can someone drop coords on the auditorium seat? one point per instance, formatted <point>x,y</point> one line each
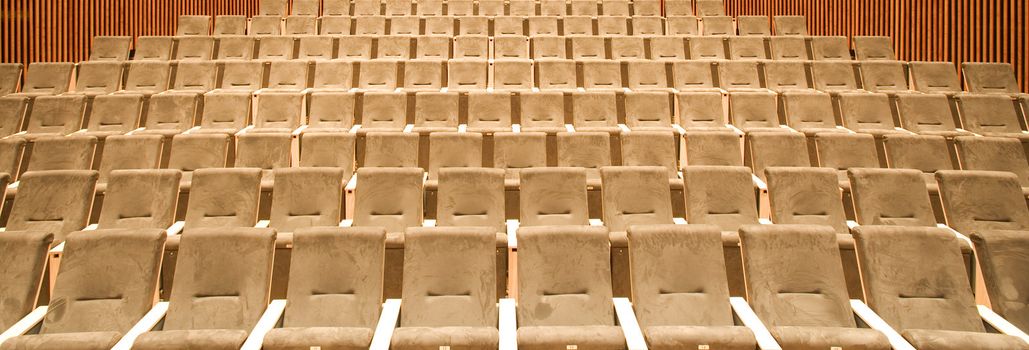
<point>512,75</point>
<point>710,7</point>
<point>645,74</point>
<point>692,75</point>
<point>318,289</point>
<point>993,154</point>
<point>195,77</point>
<point>632,195</point>
<point>515,152</point>
<point>265,151</point>
<point>403,25</point>
<point>810,112</point>
<point>209,205</point>
<point>230,25</point>
<point>884,76</point>
<point>279,112</point>
<point>97,78</point>
<point>113,115</point>
<point>990,78</point>
<point>390,198</point>
<point>928,114</point>
<point>396,47</point>
<point>931,305</point>
<point>54,116</point>
<point>354,47</point>
<point>717,25</point>
<point>707,47</point>
<point>301,25</point>
<point>473,25</point>
<point>976,200</point>
<point>701,111</point>
<point>438,26</point>
<point>648,111</point>
<point>194,48</point>
<point>22,268</point>
<point>868,113</point>
<point>782,149</point>
<point>755,111</point>
<point>215,308</point>
<point>805,196</point>
<point>511,47</point>
<point>147,78</point>
<point>332,150</point>
<point>330,111</point>
<point>610,25</point>
<point>241,76</point>
<point>551,196</point>
<point>722,196</point>
<point>632,49</point>
<point>873,48</point>
<point>790,25</point>
<point>991,116</point>
<point>516,25</point>
<point>286,76</point>
<point>753,26</point>
<point>275,47</point>
<point>842,151</point>
<point>57,201</point>
<point>335,7</point>
<point>460,8</point>
<point>10,78</point>
<point>672,8</point>
<point>669,258</point>
<point>12,115</point>
<point>153,48</point>
<point>795,283</point>
<point>595,111</point>
<point>590,150</point>
<point>489,112</point>
<point>128,152</point>
<point>788,48</point>
<point>225,113</point>
<point>272,7</point>
<point>834,76</point>
<point>652,148</point>
<point>62,153</point>
<point>667,48</point>
<point>474,197</point>
<point>747,48</point>
<point>565,299</point>
<point>235,47</point>
<point>378,75</point>
<point>140,199</point>
<point>45,79</point>
<point>190,152</point>
<point>390,149</point>
<point>265,25</point>
<point>106,284</point>
<point>429,8</point>
<point>736,76</point>
<point>471,47</point>
<point>935,77</point>
<point>452,150</point>
<point>919,152</point>
<point>556,74</point>
<point>891,197</point>
<point>537,25</point>
<point>682,25</point>
<point>383,111</point>
<point>335,24</point>
<point>305,7</point>
<point>615,8</point>
<point>169,114</point>
<point>547,8</point>
<point>543,112</point>
<point>434,47</point>
<point>332,76</point>
<point>109,48</point>
<point>601,75</point>
<point>1000,258</point>
<point>711,147</point>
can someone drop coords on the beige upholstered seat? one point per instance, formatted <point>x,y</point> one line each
<point>105,285</point>
<point>806,196</point>
<point>225,112</point>
<point>217,297</point>
<point>891,197</point>
<point>514,152</point>
<point>796,285</point>
<point>884,76</point>
<point>453,150</point>
<point>788,48</point>
<point>169,114</point>
<point>194,48</point>
<point>193,152</point>
<point>830,48</point>
<point>22,268</point>
<point>333,150</point>
<point>1001,258</point>
<point>390,198</point>
<point>712,148</point>
<point>976,201</point>
<point>595,111</point>
<point>993,154</point>
<point>230,25</point>
<point>265,151</point>
<point>62,153</point>
<point>331,111</point>
<point>648,110</point>
<point>109,48</point>
<point>278,112</point>
<point>873,48</point>
<point>543,111</point>
<point>632,195</point>
<point>436,112</point>
<point>680,294</point>
<point>223,198</point>
<point>306,197</point>
<point>565,299</point>
<point>56,201</point>
<point>918,152</point>
<point>390,149</point>
<point>45,79</point>
<point>128,152</point>
<point>935,77</point>
<point>235,47</point>
<point>54,116</point>
<point>553,196</point>
<point>868,113</point>
<point>834,76</point>
<point>98,78</point>
<point>753,25</point>
<point>489,112</point>
<point>783,149</point>
<point>590,150</point>
<point>753,111</point>
<point>928,114</point>
<point>383,111</point>
<point>931,305</point>
<point>140,199</point>
<point>844,151</point>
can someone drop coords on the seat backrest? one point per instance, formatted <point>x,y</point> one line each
<point>890,197</point>
<point>230,25</point>
<point>370,25</point>
<point>516,151</point>
<point>511,47</point>
<point>612,7</point>
<point>718,25</point>
<point>935,77</point>
<point>989,77</point>
<point>194,48</point>
<point>336,7</point>
<point>454,150</point>
<point>332,150</point>
<point>11,150</point>
<point>367,7</point>
<point>118,113</point>
<point>335,25</point>
<point>265,25</point>
<point>873,48</point>
<point>512,74</point>
<point>700,109</point>
<point>140,199</point>
<point>752,109</point>
<point>429,8</point>
<point>489,111</point>
<point>10,77</point>
<point>57,201</point>
<point>107,281</point>
<point>437,110</point>
<point>677,268</point>
<point>553,196</point>
<point>305,7</point>
<point>985,114</point>
<point>590,150</point>
<point>235,47</point>
<point>538,25</point>
<point>199,76</point>
<point>226,110</point>
<point>864,111</point>
<point>542,109</point>
<point>472,46</point>
<point>324,293</point>
<point>845,151</point>
<point>683,25</point>
<point>333,75</point>
<point>273,7</point>
<point>223,198</point>
<point>56,115</point>
<point>242,75</point>
<point>834,76</point>
<point>788,48</point>
<point>265,151</point>
<point>634,48</point>
<point>191,152</point>
<point>994,154</point>
<point>153,48</point>
<point>306,197</point>
<point>790,25</point>
<point>222,279</point>
<point>707,47</point>
<point>384,110</point>
<point>768,149</point>
<point>397,7</point>
<point>62,153</point>
<point>391,149</point>
<point>672,8</point>
<point>754,25</point>
<point>50,78</point>
<point>884,76</point>
<point>786,75</point>
<point>1000,257</point>
<point>564,276</point>
<point>435,46</point>
<point>650,148</point>
<point>287,75</point>
<point>354,47</point>
<point>670,48</point>
<point>301,25</point>
<point>110,48</point>
<point>635,195</point>
<point>692,74</point>
<point>976,200</point>
<point>905,291</point>
<point>925,112</point>
<point>130,152</point>
<point>147,76</point>
<point>719,195</point>
<point>747,48</point>
<point>806,196</point>
<point>471,197</point>
<point>171,112</point>
<point>918,152</point>
<point>556,73</point>
<point>443,289</point>
<point>100,77</point>
<point>21,269</point>
<point>648,109</point>
<point>602,75</point>
<point>388,197</point>
<point>830,48</point>
<point>712,148</point>
<point>739,75</point>
<point>396,46</point>
<point>794,276</point>
<point>467,74</point>
<point>809,110</point>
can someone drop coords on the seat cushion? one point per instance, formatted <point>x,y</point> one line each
<point>811,338</point>
<point>559,337</point>
<point>207,339</point>
<point>437,337</point>
<point>304,338</point>
<point>947,340</point>
<point>60,341</point>
<point>693,337</point>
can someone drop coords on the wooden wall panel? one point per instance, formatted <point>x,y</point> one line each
<point>922,30</point>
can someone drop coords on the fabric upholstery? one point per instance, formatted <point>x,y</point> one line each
<point>1002,256</point>
<point>148,77</point>
<point>226,197</point>
<point>62,153</point>
<point>809,112</point>
<point>953,340</point>
<point>993,154</point>
<point>650,148</point>
<point>226,112</point>
<point>391,149</point>
<point>213,339</point>
<point>436,111</point>
<point>927,114</point>
<point>453,149</point>
<point>553,196</point>
<point>595,111</point>
<point>648,110</point>
<point>335,150</point>
<point>62,341</point>
<point>331,110</point>
<point>590,150</point>
<point>712,148</point>
<point>471,197</point>
<point>982,200</point>
<point>635,195</point>
<point>265,151</point>
<point>561,337</point>
<point>890,197</point>
<point>49,78</point>
<point>701,110</point>
<point>129,152</point>
<point>197,76</point>
<point>514,152</point>
<point>140,199</point>
<point>918,152</point>
<point>776,149</point>
<point>169,114</point>
<point>814,338</point>
<point>114,115</point>
<point>844,151</point>
<point>694,337</point>
<point>720,196</point>
<point>390,198</point>
<point>56,201</point>
<point>489,112</point>
<point>542,111</point>
<point>867,113</point>
<point>806,196</point>
<point>21,270</point>
<point>191,152</point>
<point>55,116</point>
<point>754,111</point>
<point>341,338</point>
<point>306,197</point>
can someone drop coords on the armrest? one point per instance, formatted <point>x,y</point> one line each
<point>13,185</point>
<point>263,224</point>
<point>135,130</point>
<point>764,221</point>
<point>346,223</point>
<point>875,322</point>
<point>569,128</point>
<point>387,323</point>
<point>735,130</point>
<point>678,129</point>
<point>352,184</point>
<point>512,233</point>
<point>765,341</point>
<point>58,249</point>
<point>852,224</point>
<point>625,128</point>
<point>354,128</point>
<point>79,131</point>
<point>244,130</point>
<point>679,221</point>
<point>148,322</point>
<point>957,234</point>
<point>429,223</point>
<point>596,222</point>
<point>268,321</point>
<point>462,127</point>
<point>630,327</point>
<point>25,324</point>
<point>516,127</point>
<point>508,325</point>
<point>299,130</point>
<point>408,128</point>
<point>191,130</point>
<point>90,227</point>
<point>175,228</point>
<point>1002,325</point>
<point>759,183</point>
